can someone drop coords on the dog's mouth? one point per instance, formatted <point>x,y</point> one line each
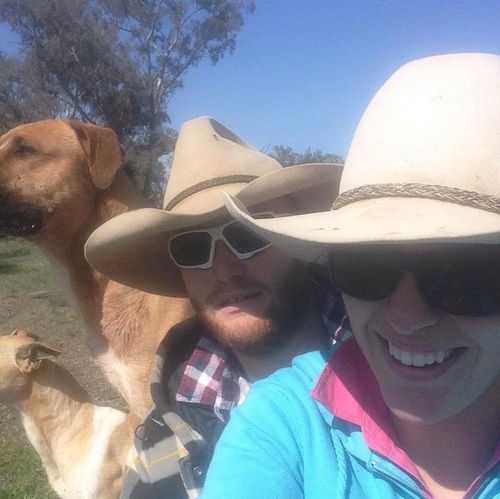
<point>22,221</point>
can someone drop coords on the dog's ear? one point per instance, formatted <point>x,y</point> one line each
<point>20,332</point>
<point>29,357</point>
<point>102,149</point>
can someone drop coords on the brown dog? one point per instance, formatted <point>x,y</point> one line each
<point>59,180</point>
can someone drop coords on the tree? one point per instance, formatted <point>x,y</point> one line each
<point>113,62</point>
<point>288,157</point>
<point>18,100</point>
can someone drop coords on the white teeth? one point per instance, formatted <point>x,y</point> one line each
<point>405,358</point>
<point>418,359</point>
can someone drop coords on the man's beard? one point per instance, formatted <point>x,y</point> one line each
<point>267,332</point>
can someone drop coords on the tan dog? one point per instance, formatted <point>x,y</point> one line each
<point>83,447</point>
<point>59,180</point>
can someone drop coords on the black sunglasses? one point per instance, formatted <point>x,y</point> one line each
<point>456,279</point>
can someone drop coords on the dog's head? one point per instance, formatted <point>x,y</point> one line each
<point>50,173</point>
<point>21,353</point>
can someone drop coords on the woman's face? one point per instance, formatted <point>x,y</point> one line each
<point>430,365</point>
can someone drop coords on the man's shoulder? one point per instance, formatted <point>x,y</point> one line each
<point>179,343</point>
<point>191,327</point>
<point>171,358</point>
<point>279,410</point>
<point>309,365</point>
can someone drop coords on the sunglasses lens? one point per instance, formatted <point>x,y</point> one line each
<point>242,239</point>
<point>468,284</point>
<point>191,249</point>
<point>456,280</point>
<point>363,274</point>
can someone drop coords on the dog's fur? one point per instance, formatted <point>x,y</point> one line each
<point>83,447</point>
<point>59,180</point>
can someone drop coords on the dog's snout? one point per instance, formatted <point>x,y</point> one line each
<point>17,218</point>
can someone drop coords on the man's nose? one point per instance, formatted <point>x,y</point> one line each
<point>226,265</point>
<point>407,311</point>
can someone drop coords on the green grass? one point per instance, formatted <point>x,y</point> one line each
<point>21,473</point>
<point>23,269</point>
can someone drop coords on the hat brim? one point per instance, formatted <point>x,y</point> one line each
<point>373,221</point>
<point>132,247</point>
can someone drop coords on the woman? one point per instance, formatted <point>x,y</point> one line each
<point>411,406</point>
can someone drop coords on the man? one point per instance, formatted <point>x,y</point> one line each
<point>409,407</point>
<point>253,301</point>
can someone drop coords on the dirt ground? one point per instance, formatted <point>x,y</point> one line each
<point>48,315</point>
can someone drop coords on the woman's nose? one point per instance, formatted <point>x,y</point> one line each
<point>407,311</point>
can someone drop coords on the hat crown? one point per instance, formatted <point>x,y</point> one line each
<point>435,121</point>
<point>209,157</point>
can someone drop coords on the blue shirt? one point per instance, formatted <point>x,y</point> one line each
<point>283,444</point>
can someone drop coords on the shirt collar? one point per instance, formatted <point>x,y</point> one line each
<point>348,388</point>
<point>213,377</point>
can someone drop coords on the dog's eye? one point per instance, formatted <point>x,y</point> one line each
<point>24,149</point>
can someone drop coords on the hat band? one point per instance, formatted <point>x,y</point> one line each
<point>213,182</point>
<point>462,197</point>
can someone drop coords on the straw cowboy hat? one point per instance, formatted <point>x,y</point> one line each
<point>132,248</point>
<point>423,166</point>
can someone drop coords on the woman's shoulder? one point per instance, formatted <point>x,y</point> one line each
<point>289,384</point>
<point>269,432</point>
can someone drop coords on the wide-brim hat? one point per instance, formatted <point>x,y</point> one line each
<point>423,166</point>
<point>132,248</point>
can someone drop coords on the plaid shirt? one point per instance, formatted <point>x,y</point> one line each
<point>214,377</point>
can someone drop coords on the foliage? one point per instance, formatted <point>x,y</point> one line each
<point>112,62</point>
<point>288,157</point>
<point>19,98</point>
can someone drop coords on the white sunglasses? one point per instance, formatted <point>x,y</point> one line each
<point>195,249</point>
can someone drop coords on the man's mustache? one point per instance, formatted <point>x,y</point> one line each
<point>234,287</point>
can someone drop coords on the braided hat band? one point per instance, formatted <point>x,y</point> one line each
<point>454,195</point>
<point>206,184</point>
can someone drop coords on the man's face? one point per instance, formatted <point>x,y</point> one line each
<point>249,305</point>
<point>460,354</point>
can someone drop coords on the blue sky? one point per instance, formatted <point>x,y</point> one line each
<point>304,70</point>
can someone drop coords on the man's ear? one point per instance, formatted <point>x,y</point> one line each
<point>29,357</point>
<point>102,150</point>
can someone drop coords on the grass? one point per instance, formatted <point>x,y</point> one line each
<point>23,270</point>
<point>21,473</point>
